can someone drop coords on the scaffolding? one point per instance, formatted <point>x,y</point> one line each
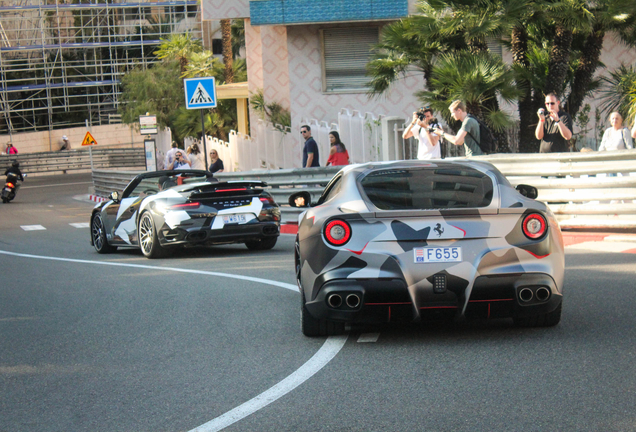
<point>61,61</point>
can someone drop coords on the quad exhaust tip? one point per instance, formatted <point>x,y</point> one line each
<point>525,295</point>
<point>334,300</point>
<point>353,301</point>
<point>543,294</point>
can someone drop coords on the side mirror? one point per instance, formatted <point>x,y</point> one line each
<point>115,196</point>
<point>527,191</point>
<point>300,199</point>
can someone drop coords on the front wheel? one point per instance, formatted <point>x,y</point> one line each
<point>262,244</point>
<point>148,239</point>
<point>99,236</point>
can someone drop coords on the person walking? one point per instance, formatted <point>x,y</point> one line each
<point>421,128</point>
<point>310,150</point>
<point>617,137</point>
<point>195,154</point>
<point>468,134</point>
<point>555,129</point>
<point>338,154</point>
<point>216,164</point>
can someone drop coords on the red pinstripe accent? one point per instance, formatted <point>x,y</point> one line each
<point>459,229</point>
<point>439,307</point>
<point>389,313</point>
<point>493,300</point>
<point>488,311</point>
<point>537,256</point>
<point>387,304</point>
<point>360,251</point>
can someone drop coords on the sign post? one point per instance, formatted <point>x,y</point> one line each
<point>151,154</point>
<point>200,93</point>
<point>147,124</point>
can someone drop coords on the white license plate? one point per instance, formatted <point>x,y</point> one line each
<point>437,254</point>
<point>7,189</point>
<point>237,218</point>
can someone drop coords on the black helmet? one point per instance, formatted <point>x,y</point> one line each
<point>15,164</point>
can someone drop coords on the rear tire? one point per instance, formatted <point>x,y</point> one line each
<point>148,239</point>
<point>262,244</point>
<point>549,319</point>
<point>99,236</point>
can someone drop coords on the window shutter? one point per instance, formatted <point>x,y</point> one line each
<point>346,54</point>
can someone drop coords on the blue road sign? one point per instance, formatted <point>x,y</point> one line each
<point>200,93</point>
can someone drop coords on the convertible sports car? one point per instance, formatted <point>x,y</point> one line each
<point>416,240</point>
<point>163,209</point>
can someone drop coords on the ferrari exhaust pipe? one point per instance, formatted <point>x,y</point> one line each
<point>334,300</point>
<point>525,295</point>
<point>543,294</point>
<point>353,301</point>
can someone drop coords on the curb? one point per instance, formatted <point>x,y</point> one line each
<point>96,198</point>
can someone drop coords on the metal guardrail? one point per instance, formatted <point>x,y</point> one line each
<point>604,202</point>
<point>77,159</point>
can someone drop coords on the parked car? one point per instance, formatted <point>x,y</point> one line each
<point>165,209</point>
<point>415,240</point>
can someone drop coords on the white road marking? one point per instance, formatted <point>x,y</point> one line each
<point>54,185</point>
<point>328,351</point>
<point>368,337</point>
<point>80,224</point>
<point>32,227</point>
<point>325,354</point>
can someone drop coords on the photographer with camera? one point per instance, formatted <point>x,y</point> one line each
<point>180,161</point>
<point>422,128</point>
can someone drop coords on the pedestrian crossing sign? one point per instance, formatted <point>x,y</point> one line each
<point>200,93</point>
<point>89,140</point>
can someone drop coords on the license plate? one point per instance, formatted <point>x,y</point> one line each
<point>7,189</point>
<point>237,218</point>
<point>437,254</point>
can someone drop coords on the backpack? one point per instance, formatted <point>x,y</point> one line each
<point>487,142</point>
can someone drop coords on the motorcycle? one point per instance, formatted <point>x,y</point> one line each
<point>11,187</point>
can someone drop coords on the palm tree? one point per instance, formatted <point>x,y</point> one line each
<point>179,47</point>
<point>476,79</point>
<point>238,36</point>
<point>618,92</point>
<point>226,35</point>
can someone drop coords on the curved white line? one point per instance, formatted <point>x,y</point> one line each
<point>328,351</point>
<point>54,185</point>
<point>174,269</point>
<point>325,354</point>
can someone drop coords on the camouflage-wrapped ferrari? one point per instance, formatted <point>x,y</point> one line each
<point>417,240</point>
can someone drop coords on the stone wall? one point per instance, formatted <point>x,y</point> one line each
<point>118,135</point>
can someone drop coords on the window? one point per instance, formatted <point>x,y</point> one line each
<point>217,46</point>
<point>331,190</point>
<point>346,52</point>
<point>428,188</point>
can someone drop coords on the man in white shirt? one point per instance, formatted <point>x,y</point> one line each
<point>169,159</point>
<point>428,147</point>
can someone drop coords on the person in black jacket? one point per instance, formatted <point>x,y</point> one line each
<point>14,169</point>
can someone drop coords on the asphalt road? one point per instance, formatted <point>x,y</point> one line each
<point>117,342</point>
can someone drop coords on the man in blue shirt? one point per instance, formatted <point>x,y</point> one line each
<point>310,150</point>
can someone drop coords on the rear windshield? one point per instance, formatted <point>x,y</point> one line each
<point>428,188</point>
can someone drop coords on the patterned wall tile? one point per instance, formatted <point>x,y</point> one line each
<point>221,9</point>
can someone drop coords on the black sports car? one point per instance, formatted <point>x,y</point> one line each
<point>163,209</point>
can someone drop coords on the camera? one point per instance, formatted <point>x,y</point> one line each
<point>420,114</point>
<point>431,129</point>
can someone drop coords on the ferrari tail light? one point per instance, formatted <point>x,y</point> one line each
<point>337,232</point>
<point>269,200</point>
<point>534,226</point>
<point>11,185</point>
<point>185,206</point>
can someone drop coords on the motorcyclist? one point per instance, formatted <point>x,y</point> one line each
<point>14,169</point>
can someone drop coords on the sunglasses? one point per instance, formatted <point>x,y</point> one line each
<point>550,103</point>
<point>303,132</point>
